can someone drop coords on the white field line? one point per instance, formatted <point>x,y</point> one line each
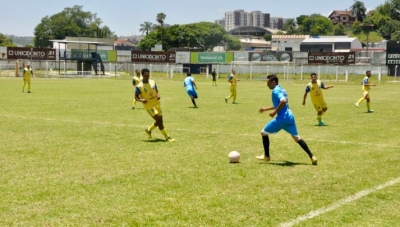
<point>339,203</point>
<point>280,136</point>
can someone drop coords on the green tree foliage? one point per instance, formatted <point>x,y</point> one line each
<point>290,26</point>
<point>202,35</point>
<point>161,18</point>
<point>233,43</point>
<point>358,10</point>
<point>319,25</point>
<point>70,22</point>
<point>146,27</point>
<point>356,28</point>
<point>396,36</point>
<point>268,37</point>
<point>5,41</point>
<point>339,29</point>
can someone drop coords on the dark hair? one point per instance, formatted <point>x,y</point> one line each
<point>313,74</point>
<point>368,71</point>
<point>273,77</point>
<point>145,70</point>
<point>188,74</point>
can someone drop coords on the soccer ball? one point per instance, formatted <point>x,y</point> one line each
<point>234,157</point>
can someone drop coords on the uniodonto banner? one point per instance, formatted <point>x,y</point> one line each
<point>31,53</point>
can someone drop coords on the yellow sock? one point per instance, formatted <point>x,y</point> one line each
<point>134,102</point>
<point>151,127</point>
<point>164,132</point>
<point>361,99</point>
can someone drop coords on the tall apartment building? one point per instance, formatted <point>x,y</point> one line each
<point>240,18</point>
<point>277,22</point>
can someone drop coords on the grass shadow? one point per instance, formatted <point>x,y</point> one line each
<point>154,140</point>
<point>286,163</point>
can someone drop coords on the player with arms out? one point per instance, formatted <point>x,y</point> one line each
<point>135,81</point>
<point>365,89</point>
<point>147,93</point>
<point>284,120</point>
<point>191,88</point>
<point>317,98</point>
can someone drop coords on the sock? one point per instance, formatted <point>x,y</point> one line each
<point>303,145</point>
<point>164,132</point>
<point>361,99</point>
<point>368,106</point>
<point>265,140</point>
<point>29,86</point>
<point>319,117</point>
<point>151,127</point>
<point>134,102</point>
<point>194,102</point>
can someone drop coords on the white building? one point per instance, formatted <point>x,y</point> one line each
<point>277,22</point>
<point>240,18</point>
<point>287,42</point>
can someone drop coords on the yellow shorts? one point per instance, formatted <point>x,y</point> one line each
<point>27,79</point>
<point>319,106</point>
<point>154,111</point>
<point>366,94</point>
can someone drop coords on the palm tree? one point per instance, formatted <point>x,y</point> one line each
<point>161,18</point>
<point>290,26</point>
<point>146,27</point>
<point>358,10</point>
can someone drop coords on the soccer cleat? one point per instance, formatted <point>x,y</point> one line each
<point>263,158</point>
<point>234,103</point>
<point>356,104</point>
<point>133,107</point>
<point>169,139</point>
<point>370,111</point>
<point>148,134</point>
<point>226,100</point>
<point>29,91</point>
<point>314,160</point>
<point>321,123</point>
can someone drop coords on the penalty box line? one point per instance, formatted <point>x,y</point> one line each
<point>340,203</point>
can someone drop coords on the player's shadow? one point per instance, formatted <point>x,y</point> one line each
<point>286,163</point>
<point>154,141</point>
<point>321,125</point>
<point>193,107</point>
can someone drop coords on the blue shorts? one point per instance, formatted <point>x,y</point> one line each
<point>192,93</point>
<point>288,124</point>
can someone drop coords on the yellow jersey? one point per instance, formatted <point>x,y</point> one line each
<point>232,79</point>
<point>365,81</point>
<point>149,92</point>
<point>315,91</point>
<point>27,73</point>
<point>136,80</point>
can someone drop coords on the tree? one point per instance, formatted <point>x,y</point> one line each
<point>356,27</point>
<point>161,18</point>
<point>358,10</point>
<point>268,37</point>
<point>396,36</point>
<point>146,27</point>
<point>339,29</point>
<point>290,26</point>
<point>70,22</point>
<point>5,41</point>
<point>233,43</point>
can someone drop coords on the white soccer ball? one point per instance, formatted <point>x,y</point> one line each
<point>234,157</point>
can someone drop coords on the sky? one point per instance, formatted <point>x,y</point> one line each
<point>123,17</point>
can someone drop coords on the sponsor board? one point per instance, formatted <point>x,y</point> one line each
<point>31,53</point>
<point>153,56</point>
<point>334,58</point>
<point>271,56</point>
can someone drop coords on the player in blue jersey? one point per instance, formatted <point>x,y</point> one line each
<point>284,120</point>
<point>366,86</point>
<point>191,88</point>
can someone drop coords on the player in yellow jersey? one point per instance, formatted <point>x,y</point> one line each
<point>233,84</point>
<point>27,74</point>
<point>135,81</point>
<point>317,98</point>
<point>147,93</point>
<point>365,89</point>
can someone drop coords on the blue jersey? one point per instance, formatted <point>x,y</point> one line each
<point>188,83</point>
<point>277,94</point>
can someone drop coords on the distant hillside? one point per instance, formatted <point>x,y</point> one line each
<point>21,40</point>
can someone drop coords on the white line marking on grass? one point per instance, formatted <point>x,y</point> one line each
<point>339,203</point>
<point>280,136</point>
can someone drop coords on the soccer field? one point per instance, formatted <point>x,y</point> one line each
<point>74,153</point>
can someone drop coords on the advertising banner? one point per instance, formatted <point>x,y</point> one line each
<point>332,58</point>
<point>211,57</point>
<point>31,53</point>
<point>182,57</point>
<point>393,53</point>
<point>271,56</point>
<point>153,56</point>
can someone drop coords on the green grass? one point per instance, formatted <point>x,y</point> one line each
<point>73,153</point>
